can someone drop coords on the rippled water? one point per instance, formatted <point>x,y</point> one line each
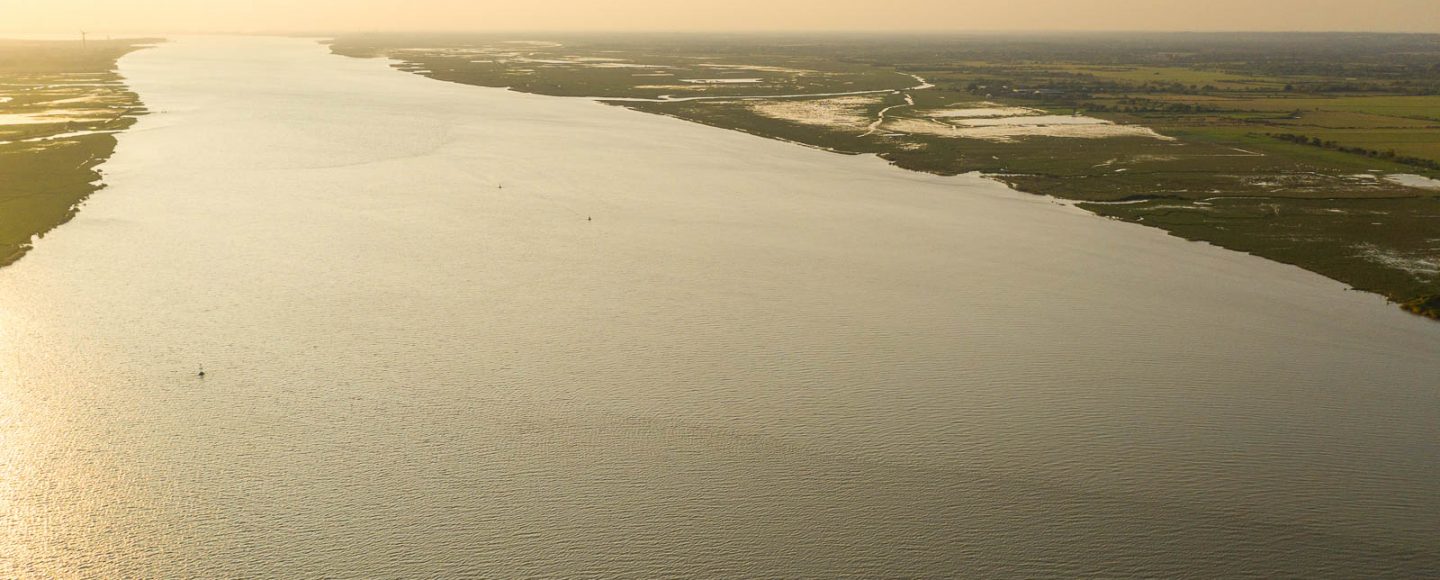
<point>758,360</point>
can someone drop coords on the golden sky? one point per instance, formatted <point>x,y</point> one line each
<point>119,16</point>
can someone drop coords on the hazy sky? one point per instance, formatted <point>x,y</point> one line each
<point>41,16</point>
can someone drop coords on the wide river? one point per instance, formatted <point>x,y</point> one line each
<point>454,331</point>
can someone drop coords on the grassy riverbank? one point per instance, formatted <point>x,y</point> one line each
<point>1281,145</point>
<point>60,105</point>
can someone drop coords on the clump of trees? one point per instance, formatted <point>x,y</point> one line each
<point>1428,306</point>
<point>1388,155</point>
<point>1143,105</point>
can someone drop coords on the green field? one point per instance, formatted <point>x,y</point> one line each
<point>1401,107</point>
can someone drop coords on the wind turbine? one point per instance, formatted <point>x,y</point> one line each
<point>83,42</point>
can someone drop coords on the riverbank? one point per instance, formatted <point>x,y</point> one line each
<point>61,104</point>
<point>1206,151</point>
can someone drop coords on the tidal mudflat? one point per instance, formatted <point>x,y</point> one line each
<point>457,331</point>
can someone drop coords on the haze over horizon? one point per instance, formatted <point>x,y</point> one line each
<point>323,16</point>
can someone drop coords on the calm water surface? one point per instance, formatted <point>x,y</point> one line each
<point>758,360</point>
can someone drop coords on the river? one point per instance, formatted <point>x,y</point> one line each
<point>454,331</point>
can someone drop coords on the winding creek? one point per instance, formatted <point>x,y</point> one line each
<point>461,332</point>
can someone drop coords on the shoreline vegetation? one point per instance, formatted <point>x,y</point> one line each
<point>1316,150</point>
<point>61,104</point>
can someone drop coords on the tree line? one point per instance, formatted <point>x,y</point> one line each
<point>1388,155</point>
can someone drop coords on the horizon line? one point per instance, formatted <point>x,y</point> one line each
<point>734,32</point>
